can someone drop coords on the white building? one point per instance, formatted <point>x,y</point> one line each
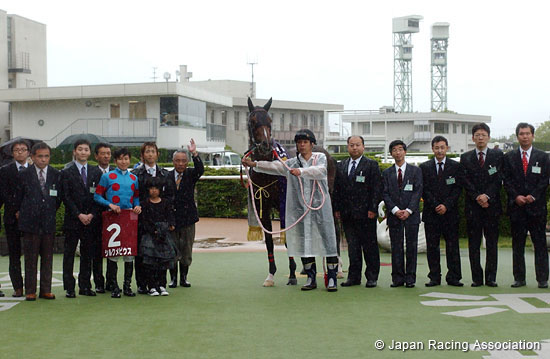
<point>23,60</point>
<point>416,129</point>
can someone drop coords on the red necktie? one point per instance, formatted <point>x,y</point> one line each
<point>525,162</point>
<point>399,178</point>
<point>481,159</point>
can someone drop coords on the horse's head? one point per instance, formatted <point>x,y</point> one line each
<point>259,129</point>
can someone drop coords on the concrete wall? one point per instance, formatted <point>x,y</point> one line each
<point>177,137</point>
<point>30,37</point>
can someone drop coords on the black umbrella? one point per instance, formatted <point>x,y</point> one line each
<point>5,148</point>
<point>68,143</point>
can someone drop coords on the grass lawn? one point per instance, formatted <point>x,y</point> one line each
<point>228,314</point>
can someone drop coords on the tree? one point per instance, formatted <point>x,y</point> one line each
<point>542,133</point>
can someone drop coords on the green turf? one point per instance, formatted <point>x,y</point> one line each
<point>228,314</point>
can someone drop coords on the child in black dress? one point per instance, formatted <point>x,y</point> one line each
<point>157,245</point>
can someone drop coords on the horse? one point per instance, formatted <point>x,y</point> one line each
<point>269,191</point>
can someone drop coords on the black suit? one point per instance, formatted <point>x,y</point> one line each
<point>530,217</point>
<point>395,196</point>
<point>354,197</point>
<point>79,199</point>
<point>482,221</point>
<point>186,214</point>
<point>37,208</point>
<point>8,185</point>
<point>442,189</point>
<point>142,175</point>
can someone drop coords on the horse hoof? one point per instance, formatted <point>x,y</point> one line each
<point>292,281</point>
<point>269,283</point>
<point>340,275</point>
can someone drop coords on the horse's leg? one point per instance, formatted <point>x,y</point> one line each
<point>266,222</point>
<point>292,268</point>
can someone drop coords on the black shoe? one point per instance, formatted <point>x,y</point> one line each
<point>173,283</point>
<point>1,294</point>
<point>141,290</point>
<point>371,284</point>
<point>309,286</point>
<point>184,282</point>
<point>70,294</point>
<point>87,292</point>
<point>100,290</point>
<point>395,285</point>
<point>518,283</point>
<point>128,292</point>
<point>477,284</point>
<point>455,283</point>
<point>543,284</point>
<point>409,285</point>
<point>491,283</point>
<point>432,283</point>
<point>350,283</point>
<point>115,293</point>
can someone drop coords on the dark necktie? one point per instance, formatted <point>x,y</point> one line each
<point>440,170</point>
<point>525,162</point>
<point>21,168</point>
<point>178,181</point>
<point>84,176</point>
<point>352,171</point>
<point>481,159</point>
<point>42,181</point>
<point>400,178</point>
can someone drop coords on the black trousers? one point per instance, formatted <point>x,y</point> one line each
<point>155,277</point>
<point>449,231</point>
<point>477,226</point>
<point>408,233</point>
<point>13,237</point>
<point>35,245</point>
<point>87,240</point>
<point>362,242</point>
<point>97,262</point>
<point>537,229</point>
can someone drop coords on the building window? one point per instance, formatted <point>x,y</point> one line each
<point>365,128</point>
<point>137,110</point>
<point>470,126</point>
<point>304,121</point>
<point>237,120</point>
<point>463,128</point>
<point>282,124</point>
<point>212,116</point>
<point>441,127</point>
<point>455,128</point>
<point>293,122</point>
<point>115,110</point>
<point>224,118</point>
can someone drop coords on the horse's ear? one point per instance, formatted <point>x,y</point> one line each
<point>250,105</point>
<point>267,106</point>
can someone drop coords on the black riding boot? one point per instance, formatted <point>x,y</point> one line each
<point>112,282</point>
<point>292,267</point>
<point>127,287</point>
<point>311,271</point>
<point>183,278</point>
<point>174,276</point>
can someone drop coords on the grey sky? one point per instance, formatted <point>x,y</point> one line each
<point>317,51</point>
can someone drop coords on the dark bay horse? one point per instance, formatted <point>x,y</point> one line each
<point>269,191</point>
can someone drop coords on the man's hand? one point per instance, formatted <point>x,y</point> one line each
<point>137,209</point>
<point>192,147</point>
<point>530,199</point>
<point>85,218</point>
<point>248,162</point>
<point>17,215</point>
<point>441,209</point>
<point>371,214</point>
<point>296,172</point>
<point>171,228</point>
<point>483,200</point>
<point>521,200</point>
<point>114,208</point>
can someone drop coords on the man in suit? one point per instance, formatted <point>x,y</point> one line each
<point>482,182</point>
<point>526,173</point>
<point>442,179</point>
<point>79,182</point>
<point>402,192</point>
<point>8,186</point>
<point>149,168</point>
<point>37,200</point>
<point>357,192</point>
<point>102,154</point>
<point>183,180</point>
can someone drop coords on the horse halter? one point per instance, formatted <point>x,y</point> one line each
<point>251,130</point>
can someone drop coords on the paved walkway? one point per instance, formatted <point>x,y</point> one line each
<point>227,235</point>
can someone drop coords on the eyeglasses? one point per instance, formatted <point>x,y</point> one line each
<point>480,135</point>
<point>20,150</point>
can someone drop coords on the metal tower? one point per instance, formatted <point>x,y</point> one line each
<point>403,27</point>
<point>440,41</point>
